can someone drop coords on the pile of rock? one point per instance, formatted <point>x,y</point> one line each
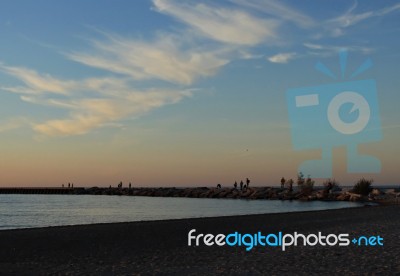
<point>388,197</point>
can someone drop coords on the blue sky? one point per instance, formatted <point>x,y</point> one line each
<point>170,92</point>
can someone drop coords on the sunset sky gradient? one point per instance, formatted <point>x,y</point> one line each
<point>180,93</point>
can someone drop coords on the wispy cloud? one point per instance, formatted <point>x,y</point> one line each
<point>227,25</point>
<point>248,55</point>
<point>91,103</point>
<point>91,113</point>
<point>337,25</point>
<point>277,9</point>
<point>165,58</point>
<point>282,57</point>
<point>326,50</point>
<point>177,57</point>
<point>211,37</point>
<point>184,56</point>
<point>319,50</point>
<point>36,83</point>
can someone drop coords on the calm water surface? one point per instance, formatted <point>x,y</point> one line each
<point>27,211</point>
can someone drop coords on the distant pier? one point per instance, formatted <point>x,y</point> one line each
<point>44,190</point>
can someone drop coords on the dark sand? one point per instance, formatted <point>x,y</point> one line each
<point>161,246</point>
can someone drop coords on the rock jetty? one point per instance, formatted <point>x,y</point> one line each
<point>249,193</point>
<point>391,196</point>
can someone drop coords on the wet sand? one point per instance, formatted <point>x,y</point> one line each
<point>160,247</point>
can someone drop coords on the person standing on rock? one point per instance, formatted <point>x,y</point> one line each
<point>283,180</point>
<point>241,185</point>
<point>235,185</point>
<point>247,182</point>
<point>290,182</point>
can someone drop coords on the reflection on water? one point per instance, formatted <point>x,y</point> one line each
<point>27,211</point>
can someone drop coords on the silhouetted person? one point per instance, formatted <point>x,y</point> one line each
<point>283,180</point>
<point>130,185</point>
<point>247,182</point>
<point>241,185</point>
<point>69,185</point>
<point>219,186</point>
<point>290,185</point>
<point>109,187</point>
<point>235,185</point>
<point>63,185</point>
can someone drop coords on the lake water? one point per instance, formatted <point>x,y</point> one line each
<point>27,211</point>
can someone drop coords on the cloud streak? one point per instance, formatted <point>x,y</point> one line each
<point>277,9</point>
<point>282,57</point>
<point>337,25</point>
<point>326,50</point>
<point>88,114</point>
<point>226,25</point>
<point>36,83</point>
<point>91,103</point>
<point>167,58</point>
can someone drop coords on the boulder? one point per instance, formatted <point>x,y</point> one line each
<point>375,192</point>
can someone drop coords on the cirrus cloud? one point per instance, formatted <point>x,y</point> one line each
<point>167,58</point>
<point>36,83</point>
<point>88,114</point>
<point>91,103</point>
<point>226,25</point>
<point>282,57</point>
<point>212,36</point>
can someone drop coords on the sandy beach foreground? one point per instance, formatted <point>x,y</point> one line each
<point>161,246</point>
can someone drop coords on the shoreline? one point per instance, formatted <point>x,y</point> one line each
<point>161,246</point>
<point>190,218</point>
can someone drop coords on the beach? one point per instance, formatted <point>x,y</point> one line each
<point>161,247</point>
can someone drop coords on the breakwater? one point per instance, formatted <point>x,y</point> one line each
<point>208,192</point>
<point>39,190</point>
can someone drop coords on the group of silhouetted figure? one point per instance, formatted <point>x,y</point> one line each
<point>242,186</point>
<point>70,185</point>
<point>120,185</point>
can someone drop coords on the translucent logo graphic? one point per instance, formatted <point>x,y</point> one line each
<point>336,114</point>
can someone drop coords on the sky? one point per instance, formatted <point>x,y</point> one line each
<point>182,93</point>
